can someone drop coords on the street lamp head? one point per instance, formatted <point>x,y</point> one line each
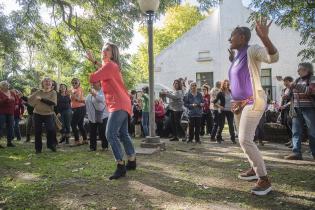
<point>149,6</point>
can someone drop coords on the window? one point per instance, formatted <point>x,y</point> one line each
<point>266,82</point>
<point>204,56</point>
<point>203,78</point>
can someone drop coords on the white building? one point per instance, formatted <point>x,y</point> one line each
<point>201,54</point>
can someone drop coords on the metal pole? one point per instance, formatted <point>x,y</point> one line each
<point>151,75</point>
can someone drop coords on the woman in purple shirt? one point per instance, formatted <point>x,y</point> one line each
<point>247,92</point>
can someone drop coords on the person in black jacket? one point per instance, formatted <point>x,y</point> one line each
<point>64,112</point>
<point>223,102</point>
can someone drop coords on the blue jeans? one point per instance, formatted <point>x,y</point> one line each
<point>308,114</point>
<point>17,132</point>
<point>66,116</point>
<point>7,119</point>
<point>145,123</point>
<point>117,129</point>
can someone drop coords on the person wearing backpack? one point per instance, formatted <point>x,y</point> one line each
<point>303,110</point>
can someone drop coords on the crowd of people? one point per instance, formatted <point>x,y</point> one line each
<point>187,112</point>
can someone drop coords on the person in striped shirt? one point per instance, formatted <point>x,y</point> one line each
<point>303,93</point>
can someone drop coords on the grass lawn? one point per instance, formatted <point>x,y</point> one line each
<point>182,177</point>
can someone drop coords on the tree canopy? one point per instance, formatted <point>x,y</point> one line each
<point>33,45</point>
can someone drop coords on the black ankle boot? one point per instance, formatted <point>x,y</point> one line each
<point>9,144</point>
<point>131,165</point>
<point>120,172</point>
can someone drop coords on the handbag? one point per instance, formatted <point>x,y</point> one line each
<point>238,106</point>
<point>98,114</point>
<point>58,123</point>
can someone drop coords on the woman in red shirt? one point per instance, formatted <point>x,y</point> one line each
<point>159,116</point>
<point>119,107</point>
<point>7,105</point>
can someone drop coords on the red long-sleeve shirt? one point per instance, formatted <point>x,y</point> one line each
<point>7,104</point>
<point>19,107</point>
<point>116,94</point>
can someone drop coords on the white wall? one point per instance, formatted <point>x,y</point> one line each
<point>180,58</point>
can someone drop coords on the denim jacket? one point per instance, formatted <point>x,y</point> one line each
<point>189,100</point>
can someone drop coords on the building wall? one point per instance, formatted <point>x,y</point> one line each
<point>212,34</point>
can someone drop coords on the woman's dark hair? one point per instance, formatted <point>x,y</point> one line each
<point>145,89</point>
<point>288,78</point>
<point>54,83</point>
<point>308,66</point>
<point>63,85</point>
<point>180,85</point>
<point>75,79</point>
<point>243,31</point>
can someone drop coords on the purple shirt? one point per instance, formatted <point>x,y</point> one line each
<point>240,83</point>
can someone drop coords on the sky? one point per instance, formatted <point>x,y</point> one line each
<point>10,5</point>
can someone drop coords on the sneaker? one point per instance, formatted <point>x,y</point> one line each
<point>293,157</point>
<point>174,139</point>
<point>85,142</point>
<point>53,148</point>
<point>248,175</point>
<point>62,139</point>
<point>288,143</point>
<point>262,187</point>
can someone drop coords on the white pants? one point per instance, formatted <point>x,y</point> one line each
<point>246,123</point>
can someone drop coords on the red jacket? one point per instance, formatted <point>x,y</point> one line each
<point>19,107</point>
<point>206,101</point>
<point>7,104</point>
<point>159,111</point>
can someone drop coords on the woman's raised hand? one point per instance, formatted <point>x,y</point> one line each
<point>89,56</point>
<point>262,28</point>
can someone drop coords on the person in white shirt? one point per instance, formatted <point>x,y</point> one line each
<point>98,115</point>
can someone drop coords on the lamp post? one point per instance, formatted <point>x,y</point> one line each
<point>148,7</point>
